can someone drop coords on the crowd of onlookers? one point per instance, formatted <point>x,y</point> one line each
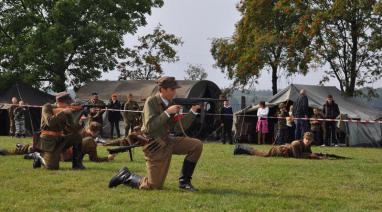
<point>293,120</point>
<point>293,123</point>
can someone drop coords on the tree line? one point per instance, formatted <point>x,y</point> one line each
<point>294,37</point>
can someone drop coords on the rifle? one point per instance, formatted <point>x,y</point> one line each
<point>326,155</point>
<point>123,149</point>
<point>194,101</point>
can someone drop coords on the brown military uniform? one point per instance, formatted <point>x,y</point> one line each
<point>59,132</point>
<point>89,147</point>
<point>130,118</point>
<point>19,150</point>
<point>158,153</point>
<point>296,149</point>
<point>95,110</point>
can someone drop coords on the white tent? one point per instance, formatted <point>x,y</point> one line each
<point>359,134</point>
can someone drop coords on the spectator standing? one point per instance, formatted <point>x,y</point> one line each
<point>130,118</point>
<point>96,112</point>
<point>316,126</point>
<point>300,111</point>
<point>227,121</point>
<point>330,111</point>
<point>282,128</point>
<point>291,125</point>
<point>262,123</point>
<point>12,127</point>
<point>114,115</point>
<point>19,116</point>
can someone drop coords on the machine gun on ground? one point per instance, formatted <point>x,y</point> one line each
<point>123,149</point>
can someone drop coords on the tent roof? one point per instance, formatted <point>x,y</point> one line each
<point>141,89</point>
<point>317,96</point>
<point>28,94</point>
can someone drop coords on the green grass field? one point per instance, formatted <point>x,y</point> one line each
<point>226,183</point>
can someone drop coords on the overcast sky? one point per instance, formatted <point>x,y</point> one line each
<point>197,21</point>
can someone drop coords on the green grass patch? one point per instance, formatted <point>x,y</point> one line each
<point>226,183</point>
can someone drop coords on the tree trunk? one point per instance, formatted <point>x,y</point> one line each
<point>274,80</point>
<point>58,83</point>
<point>353,64</point>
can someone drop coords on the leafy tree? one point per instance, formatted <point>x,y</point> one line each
<point>196,72</point>
<point>348,37</point>
<point>65,42</point>
<point>268,37</point>
<point>145,60</point>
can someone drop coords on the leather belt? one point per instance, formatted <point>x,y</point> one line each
<point>52,133</point>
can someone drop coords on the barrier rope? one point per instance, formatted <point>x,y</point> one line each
<point>244,115</point>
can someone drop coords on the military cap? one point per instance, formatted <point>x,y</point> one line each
<point>94,94</point>
<point>63,97</point>
<point>167,82</point>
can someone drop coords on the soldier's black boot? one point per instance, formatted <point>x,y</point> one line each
<point>77,157</point>
<point>186,176</point>
<point>3,152</point>
<point>242,150</point>
<point>38,160</point>
<point>125,177</point>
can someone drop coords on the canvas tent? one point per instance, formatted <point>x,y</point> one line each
<point>30,96</point>
<point>358,134</point>
<point>141,89</point>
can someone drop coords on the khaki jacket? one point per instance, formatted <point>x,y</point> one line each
<point>59,122</point>
<point>156,123</point>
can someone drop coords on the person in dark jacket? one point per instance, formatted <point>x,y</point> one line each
<point>330,111</point>
<point>114,116</point>
<point>301,110</point>
<point>227,121</point>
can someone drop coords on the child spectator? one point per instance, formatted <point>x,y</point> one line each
<point>262,122</point>
<point>282,128</point>
<point>290,124</point>
<point>19,116</point>
<point>316,127</point>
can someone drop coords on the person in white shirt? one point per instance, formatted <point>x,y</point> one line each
<point>262,123</point>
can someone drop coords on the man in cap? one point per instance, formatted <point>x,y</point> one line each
<point>129,117</point>
<point>161,119</point>
<point>59,131</point>
<point>297,149</point>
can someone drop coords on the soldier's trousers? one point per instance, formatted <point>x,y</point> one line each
<point>52,159</point>
<point>129,125</point>
<point>158,163</point>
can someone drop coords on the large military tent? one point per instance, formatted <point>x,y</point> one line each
<point>141,89</point>
<point>30,96</point>
<point>358,134</point>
